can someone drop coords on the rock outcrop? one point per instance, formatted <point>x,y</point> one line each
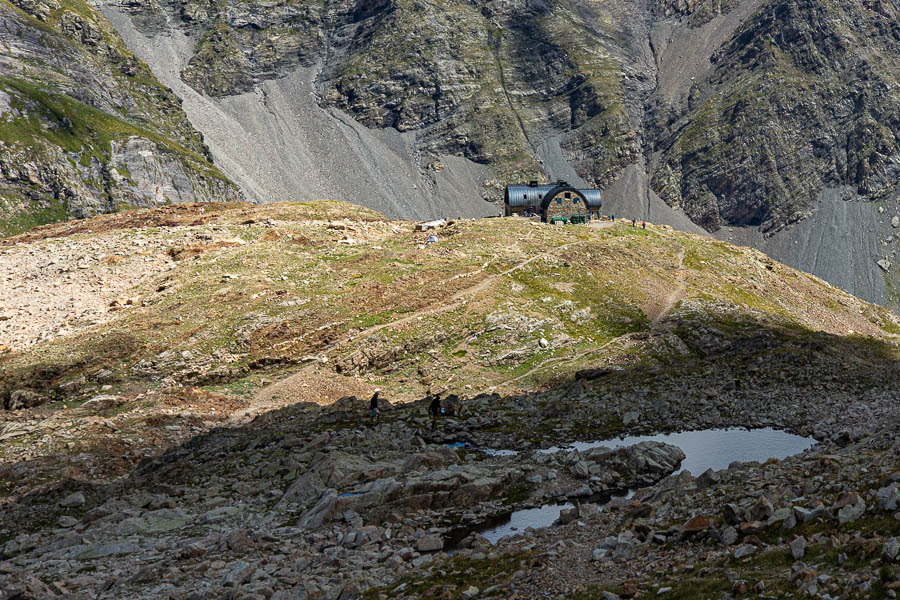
<point>86,127</point>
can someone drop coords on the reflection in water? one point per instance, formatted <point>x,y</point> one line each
<point>714,448</point>
<point>710,449</point>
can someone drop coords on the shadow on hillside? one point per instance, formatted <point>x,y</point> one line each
<point>767,373</point>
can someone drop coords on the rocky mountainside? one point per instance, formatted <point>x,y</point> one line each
<point>85,127</point>
<point>185,396</point>
<point>767,122</point>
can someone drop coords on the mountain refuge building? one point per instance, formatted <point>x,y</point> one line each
<point>553,202</point>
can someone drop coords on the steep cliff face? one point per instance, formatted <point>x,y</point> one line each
<point>84,125</point>
<point>486,80</point>
<point>802,98</point>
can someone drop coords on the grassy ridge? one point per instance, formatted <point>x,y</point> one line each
<point>343,284</point>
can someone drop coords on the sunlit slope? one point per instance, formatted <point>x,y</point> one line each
<point>294,302</point>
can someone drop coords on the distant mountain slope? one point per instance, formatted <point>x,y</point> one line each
<point>85,127</point>
<point>748,114</point>
<point>803,98</point>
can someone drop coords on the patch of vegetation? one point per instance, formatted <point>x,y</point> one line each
<point>456,576</point>
<point>76,128</point>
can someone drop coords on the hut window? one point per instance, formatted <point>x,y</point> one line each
<point>574,200</point>
<point>568,195</point>
<point>559,200</point>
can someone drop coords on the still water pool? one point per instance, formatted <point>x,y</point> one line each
<point>707,449</point>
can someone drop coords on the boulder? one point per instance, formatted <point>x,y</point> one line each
<point>752,527</point>
<point>656,458</point>
<point>744,551</point>
<point>239,574</point>
<point>430,543</point>
<point>708,479</point>
<point>804,515</point>
<point>19,399</point>
<point>695,526</point>
<point>323,512</point>
<point>728,536</point>
<point>889,497</point>
<point>798,547</point>
<point>891,549</point>
<point>849,507</point>
<point>580,470</point>
<point>733,514</point>
<point>779,516</point>
<point>72,500</point>
<point>761,510</point>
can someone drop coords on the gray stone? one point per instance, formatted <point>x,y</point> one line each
<point>728,536</point>
<point>708,479</point>
<point>422,561</point>
<point>805,515</point>
<point>66,521</point>
<point>239,574</point>
<point>733,514</point>
<point>625,550</point>
<point>895,221</point>
<point>761,510</point>
<point>90,552</point>
<point>790,522</point>
<point>779,516</point>
<point>891,550</point>
<point>798,547</point>
<point>469,593</point>
<point>581,470</point>
<point>430,543</point>
<point>889,497</point>
<point>581,492</point>
<point>850,507</point>
<point>323,511</point>
<point>353,518</point>
<point>157,521</point>
<point>744,551</point>
<point>72,500</point>
<point>632,416</point>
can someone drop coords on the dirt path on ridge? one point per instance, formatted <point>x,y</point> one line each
<point>671,300</point>
<point>676,295</point>
<point>285,388</point>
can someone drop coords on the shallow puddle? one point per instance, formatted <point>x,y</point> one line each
<point>708,449</point>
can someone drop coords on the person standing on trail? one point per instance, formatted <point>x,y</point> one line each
<point>434,409</point>
<point>373,407</point>
<point>633,222</point>
<point>643,224</point>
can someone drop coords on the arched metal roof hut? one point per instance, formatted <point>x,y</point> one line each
<point>536,199</point>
